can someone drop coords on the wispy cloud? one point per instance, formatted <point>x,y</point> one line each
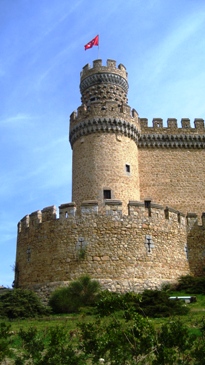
<point>20,119</point>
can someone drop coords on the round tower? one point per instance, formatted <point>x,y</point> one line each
<point>103,135</point>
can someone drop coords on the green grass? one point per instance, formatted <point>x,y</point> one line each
<point>193,320</point>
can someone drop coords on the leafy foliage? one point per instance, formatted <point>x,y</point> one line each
<point>193,285</point>
<point>81,292</point>
<point>173,344</point>
<point>156,303</point>
<point>109,302</point>
<point>114,341</point>
<point>137,342</point>
<point>19,303</point>
<point>55,348</point>
<point>151,303</point>
<point>5,341</point>
<point>117,342</point>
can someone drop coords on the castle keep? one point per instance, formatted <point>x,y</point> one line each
<point>138,193</point>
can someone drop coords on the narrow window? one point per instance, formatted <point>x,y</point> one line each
<point>148,204</point>
<point>107,194</point>
<point>148,207</point>
<point>28,254</point>
<point>186,252</point>
<point>127,168</point>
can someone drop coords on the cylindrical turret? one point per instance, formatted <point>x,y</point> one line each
<point>104,134</point>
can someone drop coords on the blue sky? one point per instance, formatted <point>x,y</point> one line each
<point>160,42</point>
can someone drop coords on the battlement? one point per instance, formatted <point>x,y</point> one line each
<point>172,123</point>
<point>121,120</point>
<point>96,109</point>
<point>143,212</point>
<point>98,67</point>
<point>172,136</point>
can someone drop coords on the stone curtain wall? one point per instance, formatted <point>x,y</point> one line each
<point>171,164</point>
<point>140,250</point>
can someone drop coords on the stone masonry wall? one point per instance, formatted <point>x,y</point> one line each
<point>171,164</point>
<point>99,163</point>
<point>140,250</point>
<point>196,244</point>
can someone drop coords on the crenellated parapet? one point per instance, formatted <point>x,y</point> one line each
<point>110,108</point>
<point>172,136</point>
<point>140,211</point>
<point>98,67</point>
<point>172,123</point>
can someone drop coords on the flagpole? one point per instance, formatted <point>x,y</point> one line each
<point>98,46</point>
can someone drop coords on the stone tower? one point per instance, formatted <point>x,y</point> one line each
<point>103,135</point>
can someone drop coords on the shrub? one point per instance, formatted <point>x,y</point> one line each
<point>118,343</point>
<point>81,292</point>
<point>20,303</point>
<point>192,285</point>
<point>109,302</point>
<point>156,303</point>
<point>151,303</point>
<point>50,347</point>
<point>5,342</point>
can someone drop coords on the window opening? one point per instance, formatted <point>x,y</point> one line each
<point>28,254</point>
<point>186,252</point>
<point>148,207</point>
<point>127,168</point>
<point>149,243</point>
<point>107,194</point>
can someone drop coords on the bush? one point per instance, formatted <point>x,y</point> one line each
<point>118,342</point>
<point>5,341</point>
<point>192,285</point>
<point>81,292</point>
<point>109,302</point>
<point>20,303</point>
<point>156,303</point>
<point>151,303</point>
<point>50,347</point>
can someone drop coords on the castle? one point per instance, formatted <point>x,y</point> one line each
<point>138,193</point>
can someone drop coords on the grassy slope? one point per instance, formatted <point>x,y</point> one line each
<point>193,319</point>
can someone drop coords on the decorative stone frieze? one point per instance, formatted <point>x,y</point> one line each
<point>105,78</point>
<point>171,141</point>
<point>103,125</point>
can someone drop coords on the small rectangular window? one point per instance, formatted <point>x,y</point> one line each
<point>148,204</point>
<point>127,168</point>
<point>107,194</point>
<point>148,207</point>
